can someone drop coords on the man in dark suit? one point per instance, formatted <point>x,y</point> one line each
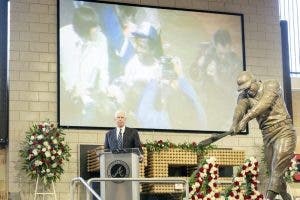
<point>122,137</point>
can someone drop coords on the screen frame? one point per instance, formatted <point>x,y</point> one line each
<point>240,15</point>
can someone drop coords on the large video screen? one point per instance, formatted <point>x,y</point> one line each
<point>169,69</point>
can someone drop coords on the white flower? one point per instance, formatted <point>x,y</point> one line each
<point>59,152</point>
<point>32,137</point>
<point>39,137</point>
<point>50,175</point>
<point>47,154</point>
<point>52,157</point>
<point>63,142</point>
<point>38,163</point>
<point>53,152</point>
<point>197,184</point>
<point>45,143</point>
<point>213,169</point>
<point>39,146</point>
<point>43,149</point>
<point>54,141</point>
<point>54,165</point>
<point>51,137</point>
<point>47,170</point>
<point>35,152</point>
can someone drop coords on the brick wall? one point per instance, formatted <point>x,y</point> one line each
<point>33,77</point>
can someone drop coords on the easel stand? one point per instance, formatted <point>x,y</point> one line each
<point>36,193</point>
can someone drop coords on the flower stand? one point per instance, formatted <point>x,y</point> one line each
<point>36,192</point>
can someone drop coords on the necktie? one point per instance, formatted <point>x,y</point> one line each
<point>120,140</point>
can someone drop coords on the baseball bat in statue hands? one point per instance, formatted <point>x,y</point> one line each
<point>214,138</point>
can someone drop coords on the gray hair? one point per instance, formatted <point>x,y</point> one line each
<point>120,111</point>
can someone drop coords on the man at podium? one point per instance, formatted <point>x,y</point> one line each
<point>122,137</point>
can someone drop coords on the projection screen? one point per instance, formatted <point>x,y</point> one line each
<point>169,69</point>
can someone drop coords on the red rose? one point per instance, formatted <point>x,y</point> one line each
<point>201,169</point>
<point>217,195</point>
<point>209,190</point>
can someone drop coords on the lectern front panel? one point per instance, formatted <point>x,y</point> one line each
<point>121,165</point>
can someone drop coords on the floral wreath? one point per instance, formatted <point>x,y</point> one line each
<point>247,174</point>
<point>44,152</point>
<point>203,182</point>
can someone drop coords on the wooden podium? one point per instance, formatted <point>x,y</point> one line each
<point>119,164</point>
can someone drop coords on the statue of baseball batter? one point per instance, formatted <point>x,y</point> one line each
<point>264,101</point>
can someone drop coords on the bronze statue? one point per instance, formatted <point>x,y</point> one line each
<point>264,101</point>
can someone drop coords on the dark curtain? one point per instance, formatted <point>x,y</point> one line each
<point>3,74</point>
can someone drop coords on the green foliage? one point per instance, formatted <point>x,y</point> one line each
<point>165,145</point>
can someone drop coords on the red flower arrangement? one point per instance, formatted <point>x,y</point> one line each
<point>203,182</point>
<point>245,184</point>
<point>44,152</point>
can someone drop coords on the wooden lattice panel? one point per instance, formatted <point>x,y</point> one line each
<point>143,164</point>
<point>93,163</point>
<point>159,162</point>
<point>227,156</point>
<point>161,188</point>
<point>224,182</point>
<point>3,195</point>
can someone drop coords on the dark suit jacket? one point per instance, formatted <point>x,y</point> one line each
<point>131,139</point>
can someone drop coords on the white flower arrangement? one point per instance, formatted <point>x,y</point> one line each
<point>245,184</point>
<point>203,182</point>
<point>44,152</point>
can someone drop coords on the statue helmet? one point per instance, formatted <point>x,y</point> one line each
<point>244,80</point>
